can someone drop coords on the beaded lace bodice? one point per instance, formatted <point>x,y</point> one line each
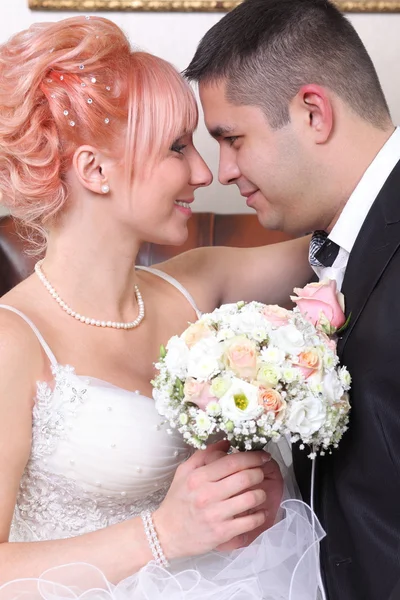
<point>100,455</point>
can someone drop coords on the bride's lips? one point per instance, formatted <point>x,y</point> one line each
<point>186,210</point>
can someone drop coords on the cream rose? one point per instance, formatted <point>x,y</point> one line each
<point>241,357</point>
<point>268,375</point>
<point>195,333</point>
<point>276,315</point>
<point>220,385</point>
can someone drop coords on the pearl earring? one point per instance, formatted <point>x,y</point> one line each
<point>105,188</point>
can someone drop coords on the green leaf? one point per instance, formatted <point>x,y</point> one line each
<point>163,352</point>
<point>178,387</point>
<point>343,327</point>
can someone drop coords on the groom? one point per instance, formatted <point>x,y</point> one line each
<point>292,97</point>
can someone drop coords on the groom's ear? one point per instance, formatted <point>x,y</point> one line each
<point>312,109</point>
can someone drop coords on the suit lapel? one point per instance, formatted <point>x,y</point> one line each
<point>375,245</point>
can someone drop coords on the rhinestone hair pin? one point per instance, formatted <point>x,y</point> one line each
<point>89,100</point>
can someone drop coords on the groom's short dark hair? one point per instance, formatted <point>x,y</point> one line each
<point>267,49</point>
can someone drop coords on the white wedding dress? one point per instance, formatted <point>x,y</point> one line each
<point>100,455</point>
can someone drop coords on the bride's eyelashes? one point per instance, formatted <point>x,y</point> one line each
<point>178,147</point>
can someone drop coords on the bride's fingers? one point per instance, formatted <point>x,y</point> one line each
<point>216,451</point>
<point>244,505</point>
<point>233,463</point>
<point>244,525</point>
<point>202,458</point>
<point>271,470</point>
<point>238,542</point>
<point>237,483</point>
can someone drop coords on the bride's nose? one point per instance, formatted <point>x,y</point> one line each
<point>200,175</point>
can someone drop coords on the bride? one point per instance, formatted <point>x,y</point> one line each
<point>96,156</point>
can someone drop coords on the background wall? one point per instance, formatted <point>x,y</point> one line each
<point>174,36</point>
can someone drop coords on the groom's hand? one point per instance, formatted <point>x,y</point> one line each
<point>273,488</point>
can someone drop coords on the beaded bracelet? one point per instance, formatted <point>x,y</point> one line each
<point>153,540</point>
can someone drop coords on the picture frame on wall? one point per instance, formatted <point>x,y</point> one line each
<point>192,5</point>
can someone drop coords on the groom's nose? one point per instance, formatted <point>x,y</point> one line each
<point>228,171</point>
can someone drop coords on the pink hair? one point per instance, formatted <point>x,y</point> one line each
<point>76,82</point>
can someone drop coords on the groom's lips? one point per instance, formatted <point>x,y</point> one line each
<point>249,196</point>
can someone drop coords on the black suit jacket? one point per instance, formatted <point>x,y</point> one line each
<point>357,493</point>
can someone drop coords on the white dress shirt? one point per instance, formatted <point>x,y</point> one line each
<point>353,215</point>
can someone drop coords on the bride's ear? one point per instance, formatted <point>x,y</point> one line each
<point>90,169</point>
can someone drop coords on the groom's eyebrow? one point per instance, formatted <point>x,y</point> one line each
<point>220,131</point>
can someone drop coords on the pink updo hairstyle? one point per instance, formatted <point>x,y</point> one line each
<point>74,82</point>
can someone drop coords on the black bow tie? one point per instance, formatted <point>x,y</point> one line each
<point>323,251</point>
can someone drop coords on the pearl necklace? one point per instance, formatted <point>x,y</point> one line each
<point>86,320</point>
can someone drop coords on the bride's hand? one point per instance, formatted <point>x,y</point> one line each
<point>273,488</point>
<point>205,504</point>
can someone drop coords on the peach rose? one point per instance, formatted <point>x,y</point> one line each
<point>276,315</point>
<point>271,400</point>
<point>308,362</point>
<point>198,393</point>
<point>196,332</point>
<point>321,304</point>
<point>241,357</point>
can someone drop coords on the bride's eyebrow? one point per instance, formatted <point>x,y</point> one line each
<point>220,131</point>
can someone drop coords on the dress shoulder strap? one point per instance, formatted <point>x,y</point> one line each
<point>176,284</point>
<point>35,330</point>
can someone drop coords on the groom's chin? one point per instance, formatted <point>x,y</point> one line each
<point>268,220</point>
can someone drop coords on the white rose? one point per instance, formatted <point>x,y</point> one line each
<point>333,389</point>
<point>177,357</point>
<point>240,403</point>
<point>288,338</point>
<point>306,416</point>
<point>315,380</point>
<point>248,322</point>
<point>226,309</point>
<point>204,359</point>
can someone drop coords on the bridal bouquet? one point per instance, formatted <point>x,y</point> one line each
<point>256,372</point>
